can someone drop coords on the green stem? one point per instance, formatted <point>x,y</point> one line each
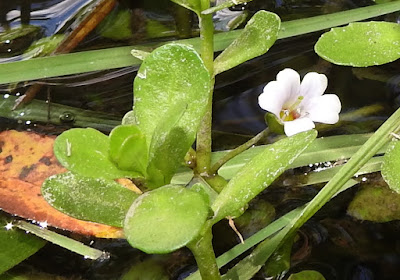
<point>231,154</point>
<point>207,54</point>
<point>203,252</point>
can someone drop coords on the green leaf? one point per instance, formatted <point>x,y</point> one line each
<point>85,151</point>
<point>96,200</point>
<point>259,173</point>
<point>361,44</point>
<point>165,219</point>
<point>117,25</point>
<point>16,246</point>
<point>257,37</point>
<point>168,148</point>
<point>307,275</point>
<point>391,166</point>
<point>375,203</point>
<point>170,76</point>
<point>148,269</point>
<point>44,46</point>
<point>128,148</point>
<point>129,118</point>
<point>279,262</point>
<point>194,5</point>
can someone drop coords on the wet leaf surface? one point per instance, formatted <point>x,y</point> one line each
<point>85,151</point>
<point>375,203</point>
<point>86,198</point>
<point>361,44</point>
<point>256,38</point>
<point>128,148</point>
<point>165,219</point>
<point>259,173</point>
<point>170,77</point>
<point>391,166</point>
<point>26,160</point>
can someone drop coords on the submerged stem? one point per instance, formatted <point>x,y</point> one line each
<point>231,154</point>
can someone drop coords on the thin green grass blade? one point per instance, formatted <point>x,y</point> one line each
<point>81,62</point>
<point>63,241</point>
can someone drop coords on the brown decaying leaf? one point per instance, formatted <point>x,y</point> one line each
<point>26,160</point>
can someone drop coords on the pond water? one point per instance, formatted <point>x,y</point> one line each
<point>332,242</point>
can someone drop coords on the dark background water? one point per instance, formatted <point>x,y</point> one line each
<point>333,243</point>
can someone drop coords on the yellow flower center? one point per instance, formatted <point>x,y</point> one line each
<point>292,112</point>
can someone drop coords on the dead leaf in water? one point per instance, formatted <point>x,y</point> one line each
<point>26,160</point>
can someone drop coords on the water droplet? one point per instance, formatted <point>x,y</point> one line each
<point>67,117</point>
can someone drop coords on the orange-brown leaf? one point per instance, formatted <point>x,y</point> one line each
<point>26,160</point>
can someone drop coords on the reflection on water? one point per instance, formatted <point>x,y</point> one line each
<point>52,16</point>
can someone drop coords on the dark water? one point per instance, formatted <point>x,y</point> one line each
<point>333,243</point>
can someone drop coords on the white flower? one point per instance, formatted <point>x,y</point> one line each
<point>297,105</point>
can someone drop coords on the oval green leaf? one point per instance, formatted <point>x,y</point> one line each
<point>259,34</point>
<point>371,203</point>
<point>96,200</point>
<point>259,173</point>
<point>165,219</point>
<point>16,245</point>
<point>361,44</point>
<point>85,151</point>
<point>170,77</point>
<point>391,166</point>
<point>307,275</point>
<point>128,148</point>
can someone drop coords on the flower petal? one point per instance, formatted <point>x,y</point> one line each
<point>297,126</point>
<point>273,97</point>
<point>324,109</point>
<point>313,85</point>
<point>290,80</point>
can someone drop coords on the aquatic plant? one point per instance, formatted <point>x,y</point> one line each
<point>172,110</point>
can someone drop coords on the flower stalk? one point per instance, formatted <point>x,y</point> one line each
<point>231,154</point>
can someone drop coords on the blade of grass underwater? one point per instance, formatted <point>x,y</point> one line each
<point>38,111</point>
<point>118,57</point>
<point>63,241</point>
<point>373,165</point>
<point>321,150</point>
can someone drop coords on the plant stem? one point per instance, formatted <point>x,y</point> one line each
<point>207,54</point>
<point>203,252</point>
<point>238,150</point>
